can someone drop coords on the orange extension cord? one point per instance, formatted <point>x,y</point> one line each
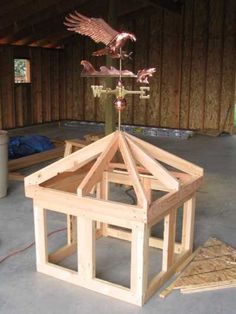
<point>2,259</point>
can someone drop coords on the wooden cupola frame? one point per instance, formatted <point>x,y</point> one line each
<point>78,186</point>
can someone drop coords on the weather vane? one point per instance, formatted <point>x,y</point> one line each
<point>98,30</point>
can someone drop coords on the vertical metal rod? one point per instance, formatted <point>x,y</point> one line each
<point>120,63</point>
<point>119,119</point>
<point>119,112</point>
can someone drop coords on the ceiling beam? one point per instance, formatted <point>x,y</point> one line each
<point>42,23</point>
<point>32,13</point>
<point>11,5</point>
<point>34,23</point>
<point>170,5</point>
<point>37,32</point>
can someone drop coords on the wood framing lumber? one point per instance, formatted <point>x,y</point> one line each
<point>210,287</point>
<point>69,163</point>
<point>182,177</point>
<point>153,241</point>
<point>104,194</point>
<point>164,293</point>
<point>95,173</point>
<point>153,166</point>
<point>139,262</point>
<point>160,208</point>
<point>62,253</point>
<point>86,248</point>
<point>64,186</point>
<point>93,137</point>
<point>188,223</point>
<point>99,210</point>
<point>71,229</point>
<point>70,144</point>
<point>122,177</point>
<point>169,240</point>
<point>130,163</point>
<point>187,261</point>
<point>41,235</point>
<point>34,159</point>
<point>15,176</point>
<point>96,285</point>
<point>168,158</point>
<point>159,279</point>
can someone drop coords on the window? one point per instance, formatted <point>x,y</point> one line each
<point>22,70</point>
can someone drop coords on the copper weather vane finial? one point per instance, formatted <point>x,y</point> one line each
<point>99,31</point>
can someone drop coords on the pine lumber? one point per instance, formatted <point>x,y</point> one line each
<point>34,159</point>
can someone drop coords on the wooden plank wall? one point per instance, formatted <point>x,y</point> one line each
<point>194,87</point>
<point>208,65</point>
<point>43,100</point>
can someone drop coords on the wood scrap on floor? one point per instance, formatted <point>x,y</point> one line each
<point>34,159</point>
<point>15,176</point>
<point>62,148</point>
<point>93,137</point>
<point>164,293</point>
<point>214,267</point>
<point>15,165</point>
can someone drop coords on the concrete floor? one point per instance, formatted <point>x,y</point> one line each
<point>24,291</point>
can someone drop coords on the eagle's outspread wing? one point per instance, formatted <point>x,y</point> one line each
<point>96,28</point>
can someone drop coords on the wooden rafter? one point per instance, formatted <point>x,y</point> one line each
<point>26,22</point>
<point>69,163</point>
<point>11,5</point>
<point>38,22</point>
<point>174,6</point>
<point>51,40</point>
<point>102,163</point>
<point>153,166</point>
<point>168,158</point>
<point>132,169</point>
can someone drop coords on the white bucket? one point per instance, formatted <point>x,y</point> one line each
<point>3,163</point>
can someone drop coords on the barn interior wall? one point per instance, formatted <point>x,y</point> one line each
<point>42,100</point>
<point>194,86</point>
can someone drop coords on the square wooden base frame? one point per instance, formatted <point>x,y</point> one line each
<point>91,217</point>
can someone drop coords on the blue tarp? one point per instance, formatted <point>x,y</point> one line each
<point>20,146</point>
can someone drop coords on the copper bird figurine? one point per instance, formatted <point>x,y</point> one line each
<point>88,68</point>
<point>144,74</point>
<point>98,30</point>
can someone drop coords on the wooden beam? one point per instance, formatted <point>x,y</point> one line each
<point>160,208</point>
<point>139,262</point>
<point>99,210</point>
<point>170,5</point>
<point>131,167</point>
<point>30,13</point>
<point>95,173</point>
<point>30,28</point>
<point>153,166</point>
<point>11,5</point>
<point>169,240</point>
<point>188,224</point>
<point>31,160</point>
<point>26,13</point>
<point>54,39</point>
<point>168,158</point>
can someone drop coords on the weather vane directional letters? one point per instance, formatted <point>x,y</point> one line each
<point>120,91</point>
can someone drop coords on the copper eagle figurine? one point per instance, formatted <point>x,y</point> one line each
<point>144,74</point>
<point>98,30</point>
